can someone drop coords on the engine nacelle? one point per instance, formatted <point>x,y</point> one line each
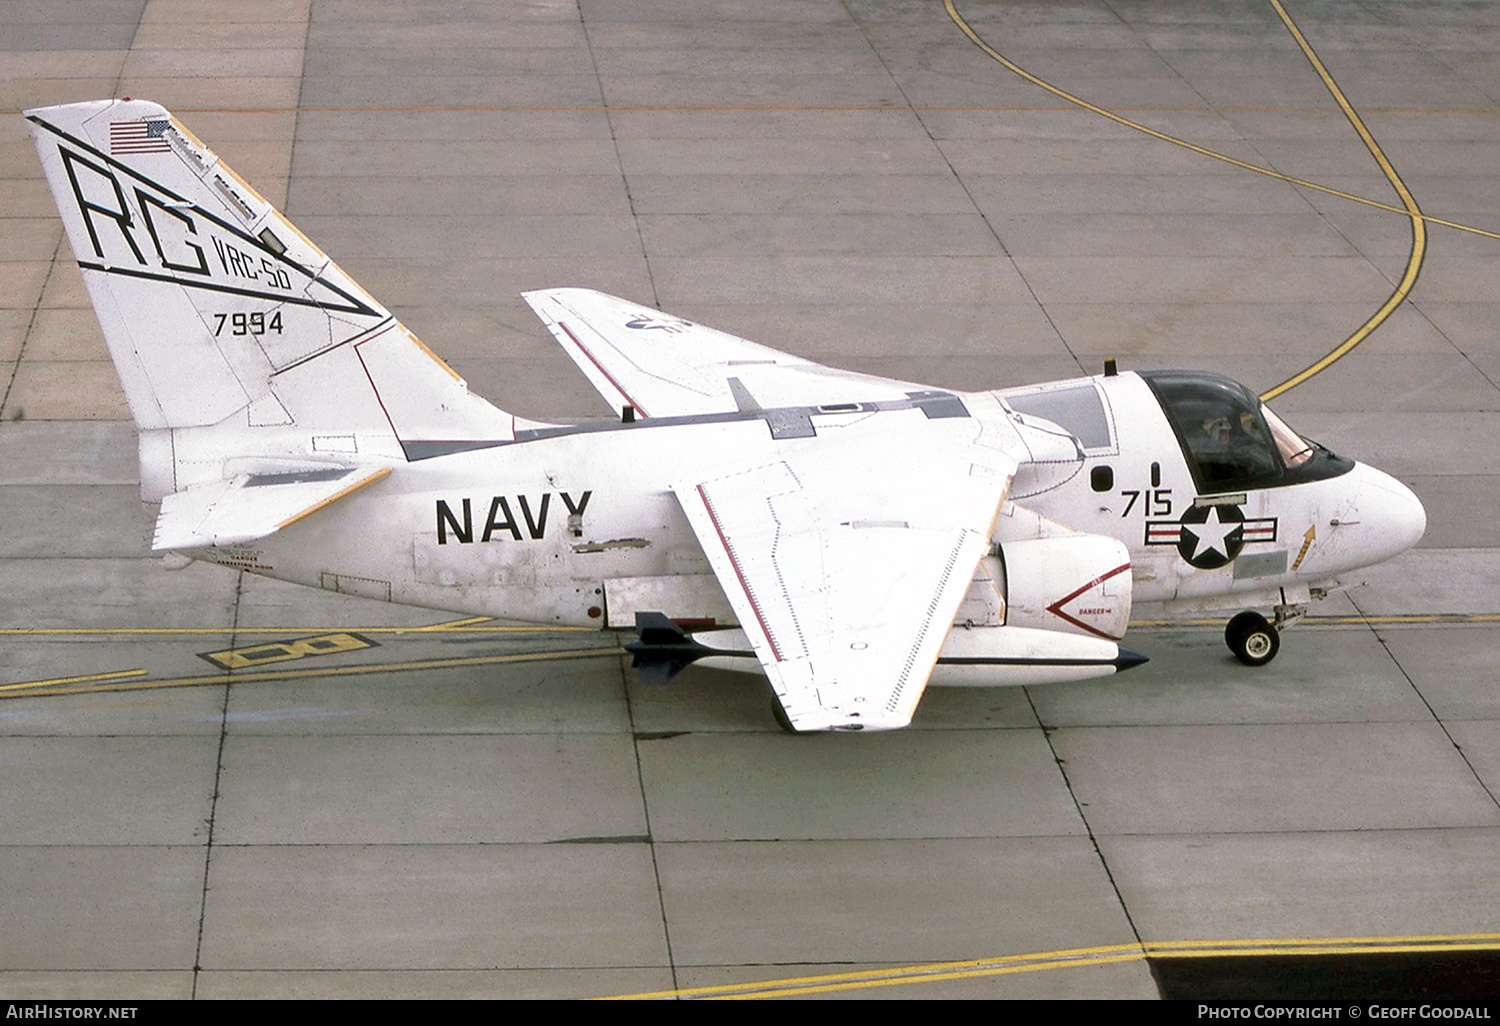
<point>1079,584</point>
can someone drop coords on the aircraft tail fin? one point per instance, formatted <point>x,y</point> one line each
<point>218,311</point>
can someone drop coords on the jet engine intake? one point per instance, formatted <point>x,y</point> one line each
<point>1078,584</point>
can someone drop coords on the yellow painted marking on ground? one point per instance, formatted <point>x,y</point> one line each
<point>467,621</point>
<point>457,627</point>
<point>1391,620</point>
<point>327,671</point>
<point>1429,219</point>
<point>281,651</point>
<point>1153,133</point>
<point>1074,957</point>
<point>1408,209</point>
<point>64,685</point>
<point>58,681</point>
<point>1418,225</point>
<point>1134,956</point>
<point>1130,950</point>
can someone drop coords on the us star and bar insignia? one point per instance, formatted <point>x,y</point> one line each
<point>1211,536</point>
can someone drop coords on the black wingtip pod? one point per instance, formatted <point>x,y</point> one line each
<point>1128,660</point>
<point>661,649</point>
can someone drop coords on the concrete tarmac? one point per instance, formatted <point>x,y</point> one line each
<point>393,810</point>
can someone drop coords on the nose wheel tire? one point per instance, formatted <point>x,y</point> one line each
<point>1252,638</point>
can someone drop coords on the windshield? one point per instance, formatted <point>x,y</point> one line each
<point>1232,441</point>
<point>1219,424</point>
<point>1294,451</point>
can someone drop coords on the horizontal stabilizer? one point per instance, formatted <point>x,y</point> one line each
<point>251,506</point>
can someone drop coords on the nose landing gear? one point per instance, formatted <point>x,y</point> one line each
<point>1253,639</point>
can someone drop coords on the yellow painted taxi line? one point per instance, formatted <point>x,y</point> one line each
<point>1134,956</point>
<point>472,621</point>
<point>1418,225</point>
<point>248,657</point>
<point>60,681</point>
<point>1153,133</point>
<point>1074,957</point>
<point>1392,620</point>
<point>457,627</point>
<point>1409,208</point>
<point>874,975</point>
<point>86,686</point>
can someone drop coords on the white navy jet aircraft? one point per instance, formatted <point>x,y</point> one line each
<point>854,538</point>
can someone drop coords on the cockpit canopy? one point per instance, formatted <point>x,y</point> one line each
<point>1231,439</point>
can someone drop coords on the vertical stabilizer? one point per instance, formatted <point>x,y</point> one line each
<point>218,311</point>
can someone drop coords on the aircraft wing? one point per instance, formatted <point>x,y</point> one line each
<point>251,506</point>
<point>845,558</point>
<point>664,366</point>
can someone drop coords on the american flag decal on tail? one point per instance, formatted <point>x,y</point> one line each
<point>139,136</point>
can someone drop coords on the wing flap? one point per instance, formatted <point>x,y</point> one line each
<point>251,506</point>
<point>845,563</point>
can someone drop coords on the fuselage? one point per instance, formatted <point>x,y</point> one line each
<point>562,523</point>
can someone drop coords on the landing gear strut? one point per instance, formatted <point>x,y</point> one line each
<point>1253,639</point>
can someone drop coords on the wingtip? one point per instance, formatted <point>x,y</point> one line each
<point>836,722</point>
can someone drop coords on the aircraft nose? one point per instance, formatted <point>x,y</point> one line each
<point>1392,513</point>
